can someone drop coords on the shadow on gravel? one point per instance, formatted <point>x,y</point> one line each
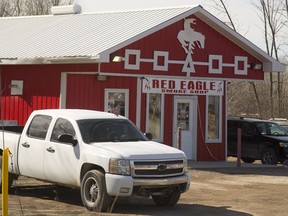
<point>147,207</point>
<point>269,171</point>
<point>49,192</point>
<point>123,206</point>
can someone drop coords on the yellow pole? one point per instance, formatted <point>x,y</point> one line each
<point>5,182</point>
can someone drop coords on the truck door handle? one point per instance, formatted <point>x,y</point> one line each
<point>26,145</point>
<point>50,149</point>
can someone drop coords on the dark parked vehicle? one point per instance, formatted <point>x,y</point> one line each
<point>264,140</point>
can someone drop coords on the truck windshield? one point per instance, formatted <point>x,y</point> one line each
<point>271,129</point>
<point>109,130</point>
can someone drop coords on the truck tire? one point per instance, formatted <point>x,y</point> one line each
<point>167,200</point>
<point>93,191</point>
<point>269,157</point>
<point>10,177</point>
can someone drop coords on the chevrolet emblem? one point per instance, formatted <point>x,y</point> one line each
<point>162,167</point>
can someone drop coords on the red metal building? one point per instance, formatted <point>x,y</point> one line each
<point>164,69</point>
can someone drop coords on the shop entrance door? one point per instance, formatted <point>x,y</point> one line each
<point>185,117</point>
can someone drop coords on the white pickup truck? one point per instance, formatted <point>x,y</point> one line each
<point>103,154</point>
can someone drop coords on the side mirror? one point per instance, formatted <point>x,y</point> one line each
<point>149,136</point>
<point>67,138</point>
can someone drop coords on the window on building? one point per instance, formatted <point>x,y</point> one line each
<point>213,119</point>
<point>154,120</point>
<point>183,114</point>
<point>117,101</point>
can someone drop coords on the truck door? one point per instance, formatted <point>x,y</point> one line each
<point>61,159</point>
<point>32,146</point>
<point>249,140</point>
<point>232,133</point>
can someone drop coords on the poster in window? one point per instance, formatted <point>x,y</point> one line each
<point>116,103</point>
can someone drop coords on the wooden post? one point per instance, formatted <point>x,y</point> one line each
<point>179,133</point>
<point>239,147</point>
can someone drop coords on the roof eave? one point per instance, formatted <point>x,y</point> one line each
<point>273,67</point>
<point>50,60</point>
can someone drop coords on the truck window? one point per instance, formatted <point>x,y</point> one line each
<point>39,126</point>
<point>271,129</point>
<point>62,126</point>
<point>248,129</point>
<point>108,130</point>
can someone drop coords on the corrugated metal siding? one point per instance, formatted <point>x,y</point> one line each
<point>85,91</point>
<point>168,112</point>
<point>209,151</point>
<point>77,35</point>
<point>36,93</point>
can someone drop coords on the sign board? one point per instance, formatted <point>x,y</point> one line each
<point>182,86</point>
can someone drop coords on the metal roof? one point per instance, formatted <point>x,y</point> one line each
<point>76,35</point>
<point>92,37</point>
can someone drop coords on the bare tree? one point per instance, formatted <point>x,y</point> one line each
<point>273,14</point>
<point>274,19</point>
<point>29,7</point>
<point>37,7</point>
<point>5,8</point>
<point>228,14</point>
<point>223,8</point>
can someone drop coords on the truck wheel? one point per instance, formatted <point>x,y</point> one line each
<point>93,191</point>
<point>167,200</point>
<point>10,177</point>
<point>269,157</point>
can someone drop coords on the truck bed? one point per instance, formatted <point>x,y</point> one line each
<point>16,129</point>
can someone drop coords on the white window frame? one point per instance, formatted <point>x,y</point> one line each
<point>162,117</point>
<point>218,58</point>
<point>219,140</point>
<point>237,60</point>
<point>115,90</point>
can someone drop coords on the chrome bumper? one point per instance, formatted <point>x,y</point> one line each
<point>185,178</point>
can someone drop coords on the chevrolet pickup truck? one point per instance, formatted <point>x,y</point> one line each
<point>103,154</point>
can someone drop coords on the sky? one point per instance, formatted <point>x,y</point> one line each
<point>243,13</point>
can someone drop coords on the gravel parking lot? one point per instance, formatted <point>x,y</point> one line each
<point>219,191</point>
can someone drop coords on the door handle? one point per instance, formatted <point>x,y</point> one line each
<point>26,145</point>
<point>50,149</point>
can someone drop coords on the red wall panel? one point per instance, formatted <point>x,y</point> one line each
<point>166,40</point>
<point>209,151</point>
<point>37,94</point>
<point>86,92</point>
<point>41,88</point>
